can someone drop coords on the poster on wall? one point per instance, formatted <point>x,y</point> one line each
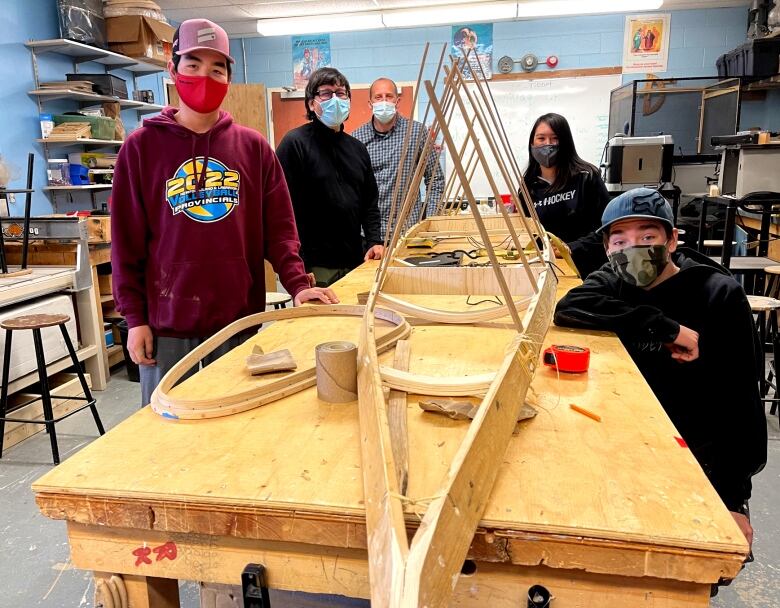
<point>478,39</point>
<point>309,54</point>
<point>646,43</point>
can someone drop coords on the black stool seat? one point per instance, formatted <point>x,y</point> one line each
<point>36,323</point>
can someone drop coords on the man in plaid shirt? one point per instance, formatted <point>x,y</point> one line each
<point>384,137</point>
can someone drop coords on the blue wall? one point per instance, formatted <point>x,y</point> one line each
<point>698,38</point>
<point>19,127</point>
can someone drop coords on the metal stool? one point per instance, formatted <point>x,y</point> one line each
<point>277,299</point>
<point>36,323</point>
<point>765,309</point>
<point>772,274</point>
<point>715,244</point>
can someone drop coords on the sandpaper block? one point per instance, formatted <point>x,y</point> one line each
<point>278,361</point>
<point>466,410</point>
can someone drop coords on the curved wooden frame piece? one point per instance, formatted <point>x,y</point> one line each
<point>165,404</point>
<point>442,316</point>
<point>436,386</point>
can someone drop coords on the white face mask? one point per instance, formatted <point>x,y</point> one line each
<point>384,111</point>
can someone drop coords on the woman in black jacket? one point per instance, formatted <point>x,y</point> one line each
<point>568,192</point>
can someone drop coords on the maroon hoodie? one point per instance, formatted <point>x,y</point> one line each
<point>194,216</point>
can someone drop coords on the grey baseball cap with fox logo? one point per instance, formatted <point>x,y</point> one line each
<point>200,35</point>
<point>636,204</point>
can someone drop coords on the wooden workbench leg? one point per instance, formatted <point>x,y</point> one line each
<point>149,592</point>
<point>91,330</point>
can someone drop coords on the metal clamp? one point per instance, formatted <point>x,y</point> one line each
<point>254,587</point>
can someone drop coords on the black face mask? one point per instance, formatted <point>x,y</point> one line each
<point>545,155</point>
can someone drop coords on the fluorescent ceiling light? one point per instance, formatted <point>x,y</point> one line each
<point>439,15</point>
<point>549,8</point>
<point>321,23</point>
<point>467,13</point>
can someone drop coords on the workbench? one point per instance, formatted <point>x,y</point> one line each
<point>45,279</point>
<point>615,512</point>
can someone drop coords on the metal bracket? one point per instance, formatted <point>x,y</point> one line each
<point>254,587</point>
<point>539,597</point>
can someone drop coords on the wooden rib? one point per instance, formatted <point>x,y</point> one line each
<point>403,213</point>
<point>451,182</point>
<point>474,101</point>
<point>163,400</point>
<point>397,418</point>
<point>452,318</point>
<point>404,150</point>
<point>499,124</point>
<point>472,203</point>
<point>400,220</point>
<point>440,386</point>
<point>489,176</point>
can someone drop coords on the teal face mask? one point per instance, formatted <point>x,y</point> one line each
<point>384,111</point>
<point>334,112</point>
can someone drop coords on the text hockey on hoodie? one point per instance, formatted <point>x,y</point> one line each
<point>194,217</point>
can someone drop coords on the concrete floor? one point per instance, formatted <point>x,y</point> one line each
<point>34,557</point>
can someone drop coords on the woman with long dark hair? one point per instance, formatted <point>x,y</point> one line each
<point>568,192</point>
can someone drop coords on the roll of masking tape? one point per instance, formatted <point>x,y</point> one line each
<point>336,367</point>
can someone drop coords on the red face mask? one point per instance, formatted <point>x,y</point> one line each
<point>201,93</point>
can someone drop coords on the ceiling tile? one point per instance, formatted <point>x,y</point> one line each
<point>167,5</point>
<point>218,14</point>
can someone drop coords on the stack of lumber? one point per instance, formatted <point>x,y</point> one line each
<point>80,86</point>
<point>69,131</point>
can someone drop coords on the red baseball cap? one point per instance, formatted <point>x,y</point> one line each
<point>200,35</point>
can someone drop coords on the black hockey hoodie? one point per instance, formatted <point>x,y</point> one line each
<point>573,213</point>
<point>714,400</point>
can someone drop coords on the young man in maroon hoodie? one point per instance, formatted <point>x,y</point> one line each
<point>199,203</point>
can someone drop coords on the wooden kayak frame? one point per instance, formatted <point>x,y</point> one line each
<point>423,573</point>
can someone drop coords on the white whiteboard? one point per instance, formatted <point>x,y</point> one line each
<point>584,101</point>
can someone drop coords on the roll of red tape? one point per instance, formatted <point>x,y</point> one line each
<point>567,358</point>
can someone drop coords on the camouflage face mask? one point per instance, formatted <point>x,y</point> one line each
<point>640,265</point>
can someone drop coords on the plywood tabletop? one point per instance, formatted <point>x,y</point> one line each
<point>624,480</point>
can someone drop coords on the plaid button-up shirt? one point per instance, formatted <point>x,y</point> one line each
<point>385,152</point>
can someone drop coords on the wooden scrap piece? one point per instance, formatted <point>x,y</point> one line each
<point>277,361</point>
<point>466,410</point>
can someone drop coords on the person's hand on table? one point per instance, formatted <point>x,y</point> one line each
<point>557,250</point>
<point>374,253</point>
<point>140,345</point>
<point>744,525</point>
<point>323,294</point>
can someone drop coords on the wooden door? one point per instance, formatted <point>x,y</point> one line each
<point>246,104</point>
<point>288,113</point>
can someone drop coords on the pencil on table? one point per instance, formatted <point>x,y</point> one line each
<point>585,412</point>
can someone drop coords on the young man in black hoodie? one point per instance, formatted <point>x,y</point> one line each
<point>687,325</point>
<point>332,185</point>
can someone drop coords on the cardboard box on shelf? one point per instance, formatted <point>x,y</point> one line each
<point>140,37</point>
